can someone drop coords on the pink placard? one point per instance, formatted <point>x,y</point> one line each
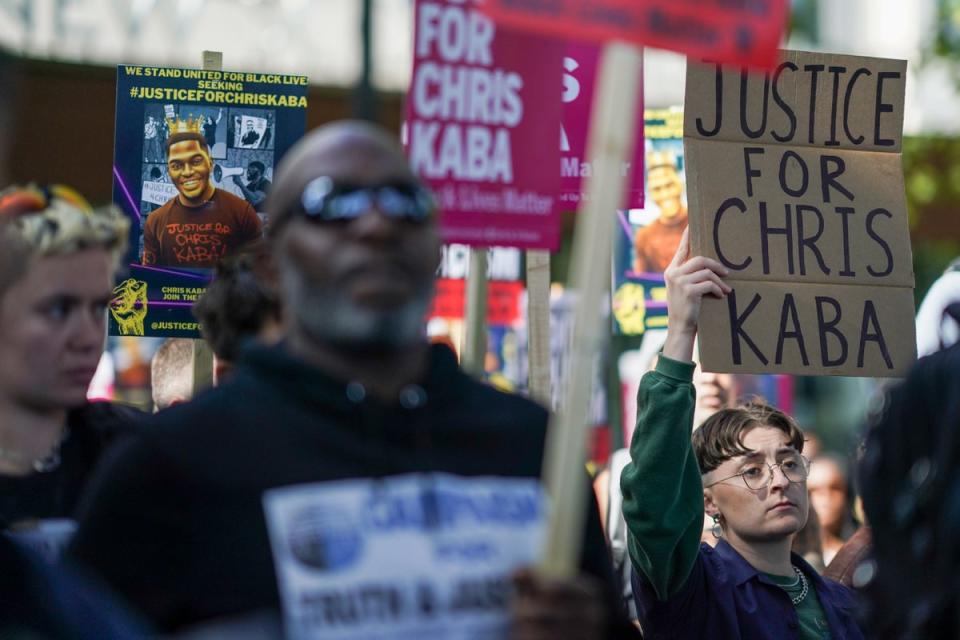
<point>482,119</point>
<point>581,63</point>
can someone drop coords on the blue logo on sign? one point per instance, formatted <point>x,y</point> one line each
<point>326,539</point>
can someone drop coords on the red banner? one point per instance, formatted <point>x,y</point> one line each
<point>503,301</point>
<point>745,32</point>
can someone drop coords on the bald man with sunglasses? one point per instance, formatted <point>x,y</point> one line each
<point>354,396</point>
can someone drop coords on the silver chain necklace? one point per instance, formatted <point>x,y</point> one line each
<point>803,592</point>
<point>44,464</point>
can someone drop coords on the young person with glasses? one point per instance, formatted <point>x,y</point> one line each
<point>745,469</point>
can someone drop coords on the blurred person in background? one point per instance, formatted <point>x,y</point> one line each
<point>910,484</point>
<point>238,307</point>
<point>256,188</point>
<point>829,487</point>
<point>176,521</point>
<point>938,318</point>
<point>806,543</point>
<point>58,258</point>
<point>171,373</point>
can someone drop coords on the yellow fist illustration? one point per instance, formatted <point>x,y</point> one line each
<point>129,306</point>
<point>629,308</point>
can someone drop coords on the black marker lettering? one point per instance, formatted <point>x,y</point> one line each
<point>845,213</point>
<point>826,327</point>
<point>748,170</point>
<point>814,70</point>
<point>744,126</point>
<point>736,328</point>
<point>805,175</point>
<point>880,241</point>
<point>791,116</point>
<point>728,203</point>
<point>870,317</point>
<point>846,104</point>
<point>836,71</point>
<point>766,231</point>
<point>804,242</point>
<point>828,178</point>
<point>883,107</point>
<point>790,308</point>
<point>718,83</point>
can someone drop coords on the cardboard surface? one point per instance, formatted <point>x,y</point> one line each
<point>483,119</point>
<point>737,32</point>
<point>815,221</point>
<point>787,314</point>
<point>846,91</point>
<point>851,228</point>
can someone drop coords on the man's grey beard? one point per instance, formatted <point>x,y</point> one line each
<point>327,315</point>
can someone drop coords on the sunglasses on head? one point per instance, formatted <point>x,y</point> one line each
<point>325,200</point>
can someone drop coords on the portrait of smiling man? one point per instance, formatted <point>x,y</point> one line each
<point>201,224</point>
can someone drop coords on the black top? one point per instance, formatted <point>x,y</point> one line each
<point>38,601</point>
<point>176,521</point>
<point>55,494</point>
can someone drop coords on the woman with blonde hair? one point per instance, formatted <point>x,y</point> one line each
<point>58,259</point>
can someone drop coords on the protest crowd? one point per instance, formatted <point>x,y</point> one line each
<point>314,462</point>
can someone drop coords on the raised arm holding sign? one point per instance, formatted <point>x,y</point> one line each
<point>795,186</point>
<point>744,468</point>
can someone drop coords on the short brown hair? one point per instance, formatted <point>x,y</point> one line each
<point>720,437</point>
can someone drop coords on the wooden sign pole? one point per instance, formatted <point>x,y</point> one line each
<point>474,347</point>
<point>610,143</point>
<point>538,325</point>
<point>202,354</point>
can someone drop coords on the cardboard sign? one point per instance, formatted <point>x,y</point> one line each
<point>237,121</point>
<point>483,114</point>
<point>795,185</point>
<point>581,64</point>
<point>746,33</point>
<point>414,556</point>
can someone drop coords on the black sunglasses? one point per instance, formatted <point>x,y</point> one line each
<point>325,200</point>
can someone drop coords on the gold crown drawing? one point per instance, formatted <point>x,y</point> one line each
<point>190,125</point>
<point>661,159</point>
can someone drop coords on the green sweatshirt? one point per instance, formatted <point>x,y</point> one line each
<point>662,490</point>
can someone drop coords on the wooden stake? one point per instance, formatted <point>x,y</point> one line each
<point>213,61</point>
<point>538,325</point>
<point>610,143</point>
<point>202,354</point>
<point>474,348</point>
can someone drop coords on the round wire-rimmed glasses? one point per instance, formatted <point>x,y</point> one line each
<point>759,475</point>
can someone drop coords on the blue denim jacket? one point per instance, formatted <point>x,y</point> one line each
<point>726,598</point>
